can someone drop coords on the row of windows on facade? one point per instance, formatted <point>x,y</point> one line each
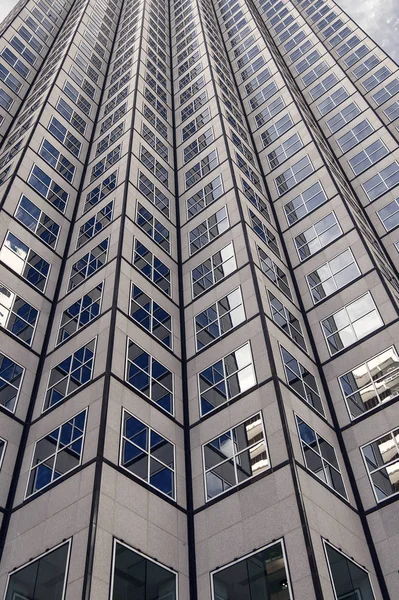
<point>364,388</point>
<point>352,322</point>
<point>84,47</point>
<point>13,83</point>
<point>263,571</point>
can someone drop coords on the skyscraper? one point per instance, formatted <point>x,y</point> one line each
<point>199,302</point>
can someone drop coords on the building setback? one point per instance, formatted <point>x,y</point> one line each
<point>199,302</point>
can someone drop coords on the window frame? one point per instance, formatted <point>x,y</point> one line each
<point>235,455</point>
<point>219,317</point>
<point>350,323</point>
<point>55,453</point>
<point>226,377</point>
<point>123,437</point>
<point>381,467</point>
<point>45,407</point>
<point>248,555</point>
<point>326,543</point>
<point>78,315</point>
<point>332,275</point>
<point>369,383</point>
<point>39,557</point>
<point>139,553</point>
<point>320,455</point>
<point>11,312</point>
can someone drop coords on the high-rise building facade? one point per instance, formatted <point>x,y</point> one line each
<point>199,302</point>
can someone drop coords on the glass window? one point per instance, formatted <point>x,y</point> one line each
<point>134,575</point>
<point>293,175</point>
<point>389,215</point>
<point>355,135</point>
<point>150,315</point>
<point>219,318</point>
<point>23,50</point>
<point>24,261</point>
<point>153,194</point>
<point>317,236</point>
<point>155,142</point>
<point>11,374</point>
<point>370,384</point>
<point>201,169</point>
<point>349,580</point>
<point>71,116</point>
<point>333,275</point>
<point>332,101</point>
<point>367,157</point>
<point>152,268</point>
<point>264,95</point>
<point>274,273</point>
<point>235,456</point>
<point>154,166</point>
<point>101,191</point>
<point>305,203</point>
<point>70,374</point>
<point>213,269</point>
<point>80,313</point>
<point>153,228</point>
<point>277,129</point>
<point>284,151</point>
<point>147,454</point>
<point>208,230</point>
<point>14,61</point>
<point>371,82</point>
<point>269,111</point>
<point>105,163</point>
<point>57,160</point>
<point>392,111</point>
<point>382,182</point>
<point>148,376</point>
<point>204,197</point>
<point>262,573</point>
<point>57,453</point>
<point>301,380</point>
<point>64,136</point>
<point>382,462</point>
<point>320,457</point>
<point>366,66</point>
<point>199,144</point>
<point>346,115</point>
<point>37,221</point>
<point>5,100</point>
<point>322,87</point>
<point>95,224</point>
<point>17,316</point>
<point>353,322</point>
<point>386,92</point>
<point>88,264</point>
<point>263,232</point>
<point>287,321</point>
<point>48,189</point>
<point>12,82</point>
<point>356,55</point>
<point>315,74</point>
<point>44,576</point>
<point>224,380</point>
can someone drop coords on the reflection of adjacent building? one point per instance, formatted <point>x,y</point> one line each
<point>372,383</point>
<point>235,456</point>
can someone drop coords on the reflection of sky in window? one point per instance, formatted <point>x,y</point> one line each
<point>379,19</point>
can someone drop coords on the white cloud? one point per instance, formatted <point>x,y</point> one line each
<point>379,19</point>
<point>5,7</point>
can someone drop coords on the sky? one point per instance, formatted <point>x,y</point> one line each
<point>379,18</point>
